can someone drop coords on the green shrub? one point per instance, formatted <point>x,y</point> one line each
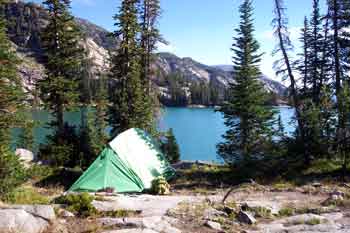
<point>12,172</point>
<point>160,186</point>
<point>62,148</point>
<point>170,147</point>
<point>80,204</point>
<point>261,212</point>
<point>313,221</point>
<point>120,213</point>
<point>26,196</point>
<point>39,171</point>
<point>286,212</point>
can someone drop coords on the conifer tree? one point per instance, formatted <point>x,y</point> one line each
<point>11,99</point>
<point>316,45</point>
<point>149,14</point>
<point>127,96</point>
<point>11,95</point>
<point>60,88</point>
<point>340,20</point>
<point>150,36</point>
<point>170,147</point>
<point>284,67</point>
<point>304,61</point>
<point>247,136</point>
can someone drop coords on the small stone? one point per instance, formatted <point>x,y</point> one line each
<point>212,213</point>
<point>67,214</point>
<point>246,217</point>
<point>213,225</point>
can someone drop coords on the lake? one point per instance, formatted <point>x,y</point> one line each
<point>197,130</point>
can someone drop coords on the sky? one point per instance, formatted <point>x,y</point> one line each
<point>203,29</point>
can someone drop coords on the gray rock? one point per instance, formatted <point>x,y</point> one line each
<point>155,223</point>
<point>121,222</point>
<point>273,206</point>
<point>67,214</point>
<point>246,217</point>
<point>135,230</point>
<point>213,225</point>
<point>20,221</point>
<point>104,206</point>
<point>211,213</point>
<point>159,224</point>
<point>26,156</point>
<point>45,212</point>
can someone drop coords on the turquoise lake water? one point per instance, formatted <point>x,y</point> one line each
<point>197,130</point>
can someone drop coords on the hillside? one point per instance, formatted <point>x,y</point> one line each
<point>27,20</point>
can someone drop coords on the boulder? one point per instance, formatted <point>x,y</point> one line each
<point>155,223</point>
<point>26,156</point>
<point>20,221</point>
<point>45,212</point>
<point>245,217</point>
<point>213,225</point>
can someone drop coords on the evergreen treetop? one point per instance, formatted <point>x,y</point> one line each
<point>248,118</point>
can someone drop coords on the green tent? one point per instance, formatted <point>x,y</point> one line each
<point>128,164</point>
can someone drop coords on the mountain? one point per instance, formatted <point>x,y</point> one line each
<point>27,20</point>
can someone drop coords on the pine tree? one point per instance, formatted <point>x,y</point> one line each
<point>304,61</point>
<point>60,88</point>
<point>11,99</point>
<point>284,67</point>
<point>170,147</point>
<point>150,36</point>
<point>249,121</point>
<point>26,137</point>
<point>11,95</point>
<point>316,46</point>
<point>340,21</point>
<point>126,92</point>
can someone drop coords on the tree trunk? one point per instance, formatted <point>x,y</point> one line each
<point>293,86</point>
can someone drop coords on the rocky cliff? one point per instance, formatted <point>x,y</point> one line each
<point>27,20</point>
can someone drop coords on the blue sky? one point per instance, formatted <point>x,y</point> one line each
<point>203,29</point>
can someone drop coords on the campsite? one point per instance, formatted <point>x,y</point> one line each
<point>174,116</point>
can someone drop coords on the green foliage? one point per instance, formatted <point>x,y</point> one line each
<point>170,147</point>
<point>92,140</point>
<point>26,196</point>
<point>286,212</point>
<point>259,211</point>
<point>12,173</point>
<point>160,186</point>
<point>121,213</point>
<point>131,105</point>
<point>80,204</point>
<point>11,94</point>
<point>60,88</point>
<point>62,148</point>
<point>38,172</point>
<point>313,221</point>
<point>248,119</point>
<point>26,138</point>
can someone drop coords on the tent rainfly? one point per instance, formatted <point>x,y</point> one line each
<point>128,164</point>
